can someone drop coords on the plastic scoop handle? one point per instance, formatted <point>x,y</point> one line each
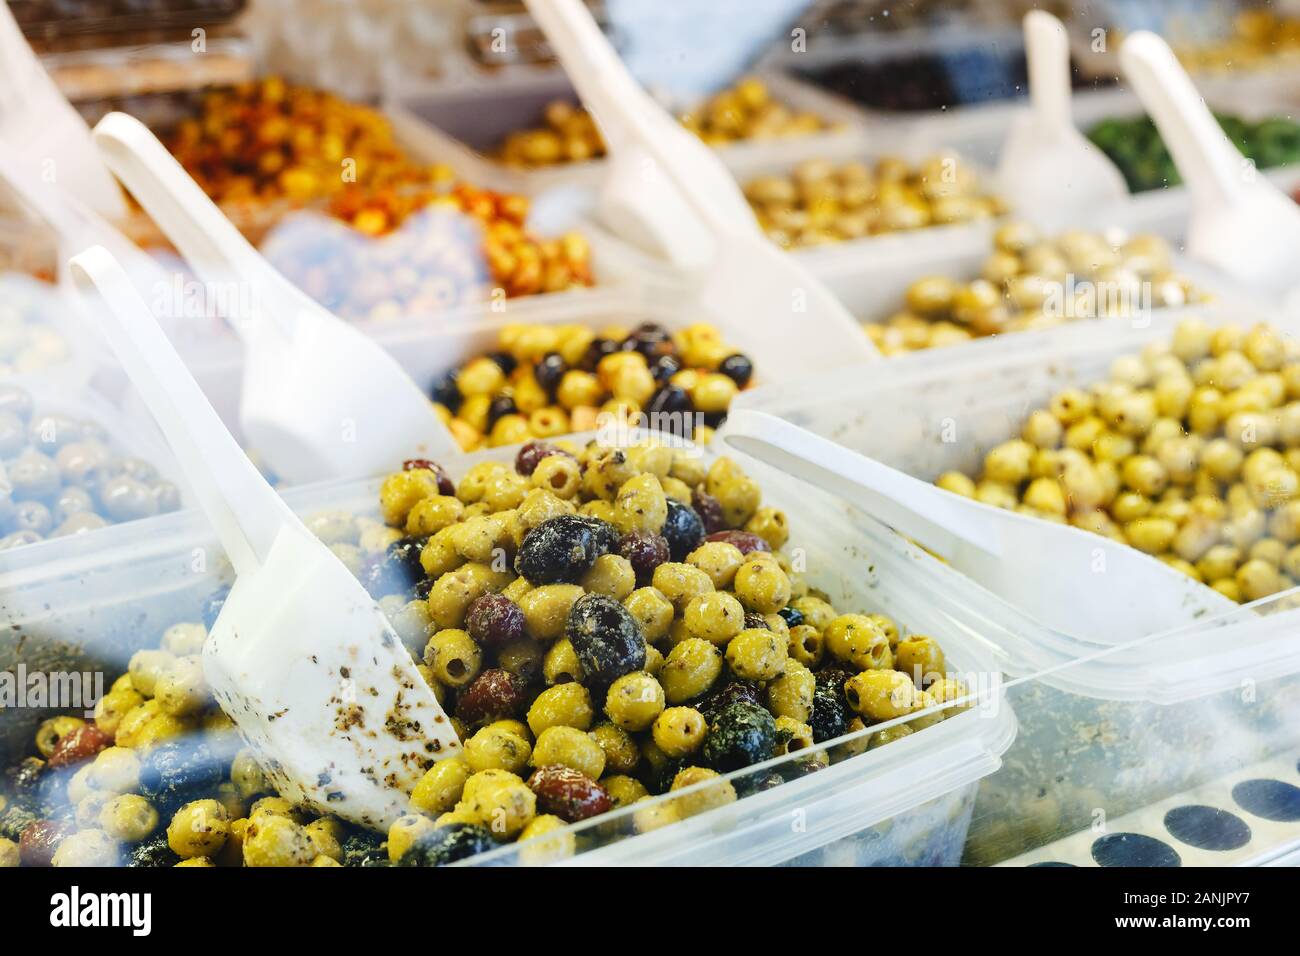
<point>929,515</point>
<point>627,115</point>
<point>247,513</point>
<point>1047,49</point>
<point>202,233</point>
<point>1207,161</point>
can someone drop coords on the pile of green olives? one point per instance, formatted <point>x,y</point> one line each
<point>821,202</point>
<point>1188,451</point>
<point>1030,281</point>
<point>603,624</point>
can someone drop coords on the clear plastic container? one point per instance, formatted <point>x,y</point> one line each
<point>834,257</point>
<point>979,132</point>
<point>943,409</point>
<point>1104,727</point>
<point>461,126</point>
<point>432,269</point>
<point>135,449</point>
<point>40,341</point>
<point>88,604</point>
<point>872,282</point>
<point>429,350</point>
<point>1241,814</point>
<point>1085,766</point>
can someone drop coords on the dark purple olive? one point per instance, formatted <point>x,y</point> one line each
<point>738,368</point>
<point>709,509</point>
<point>596,351</point>
<point>446,391</point>
<point>505,361</point>
<point>532,453</point>
<point>550,370</point>
<point>665,367</point>
<point>645,552</point>
<point>493,620</point>
<point>501,406</point>
<point>650,339</point>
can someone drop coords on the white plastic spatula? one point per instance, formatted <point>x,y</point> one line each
<point>49,137</point>
<point>1076,582</point>
<point>320,399</point>
<point>300,657</point>
<point>1239,223</point>
<point>667,190</point>
<point>1048,170</point>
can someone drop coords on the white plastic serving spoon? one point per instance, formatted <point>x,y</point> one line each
<point>50,138</point>
<point>320,399</point>
<point>1048,170</point>
<point>665,189</point>
<point>300,657</point>
<point>1239,223</point>
<point>1078,583</point>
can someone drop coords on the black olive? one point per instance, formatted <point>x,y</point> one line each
<point>563,549</point>
<point>398,571</point>
<point>505,361</point>
<point>835,678</point>
<point>830,717</point>
<point>793,616</point>
<point>683,529</point>
<point>500,406</point>
<point>596,351</point>
<point>550,370</point>
<point>742,734</point>
<point>670,400</point>
<point>606,638</point>
<point>660,780</point>
<point>152,852</point>
<point>670,411</point>
<point>802,766</point>
<point>714,419</point>
<point>738,368</point>
<point>405,553</point>
<point>361,847</point>
<point>447,844</point>
<point>757,783</point>
<point>665,367</point>
<point>16,818</point>
<point>727,694</point>
<point>177,772</point>
<point>650,339</point>
<point>447,392</point>
<point>755,621</point>
<point>24,779</point>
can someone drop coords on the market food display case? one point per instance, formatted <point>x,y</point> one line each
<point>653,646</point>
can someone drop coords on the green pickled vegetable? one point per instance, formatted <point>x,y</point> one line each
<point>1135,146</point>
